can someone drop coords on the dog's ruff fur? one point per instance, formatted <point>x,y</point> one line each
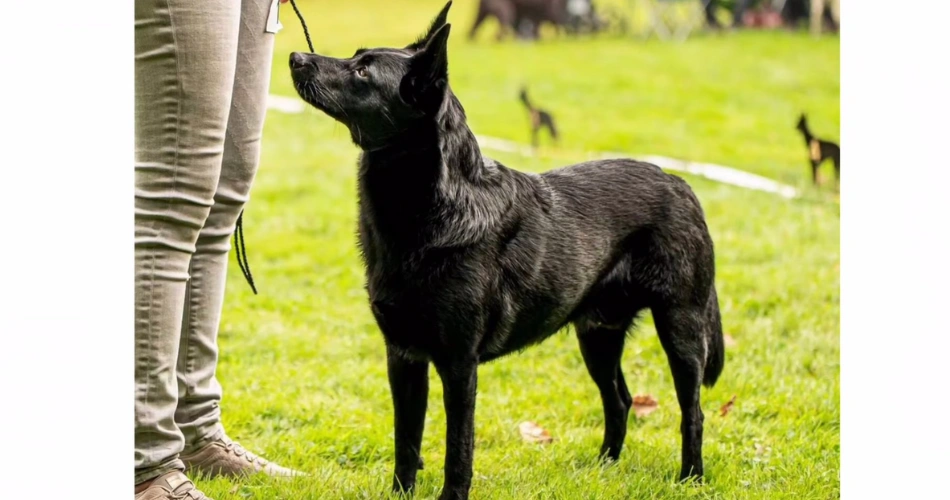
<point>468,261</point>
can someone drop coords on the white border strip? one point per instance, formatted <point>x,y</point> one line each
<point>726,175</point>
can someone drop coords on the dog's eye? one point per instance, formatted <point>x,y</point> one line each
<point>361,72</point>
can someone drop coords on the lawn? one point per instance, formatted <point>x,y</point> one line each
<point>303,363</point>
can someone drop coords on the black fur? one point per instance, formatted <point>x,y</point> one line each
<point>539,119</point>
<point>819,150</point>
<point>467,260</point>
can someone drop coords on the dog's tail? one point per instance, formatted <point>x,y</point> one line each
<point>716,349</point>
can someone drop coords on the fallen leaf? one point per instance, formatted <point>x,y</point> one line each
<point>643,405</point>
<point>533,433</point>
<point>726,408</point>
<point>728,340</point>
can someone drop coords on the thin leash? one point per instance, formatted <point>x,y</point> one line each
<point>239,246</point>
<point>241,252</point>
<point>303,23</point>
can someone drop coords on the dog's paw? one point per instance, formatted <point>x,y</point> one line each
<point>400,487</point>
<point>691,479</point>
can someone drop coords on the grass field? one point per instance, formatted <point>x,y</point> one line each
<point>303,365</point>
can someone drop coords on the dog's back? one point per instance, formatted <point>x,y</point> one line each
<point>645,233</point>
<point>586,235</point>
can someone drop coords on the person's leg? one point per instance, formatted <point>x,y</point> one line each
<point>739,11</point>
<point>184,70</point>
<point>817,9</point>
<point>835,14</point>
<point>199,412</point>
<point>710,11</point>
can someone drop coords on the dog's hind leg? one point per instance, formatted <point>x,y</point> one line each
<point>622,388</point>
<point>602,348</point>
<point>409,384</point>
<point>548,122</point>
<point>683,332</point>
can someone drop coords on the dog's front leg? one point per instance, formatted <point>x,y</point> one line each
<point>459,381</point>
<point>409,384</point>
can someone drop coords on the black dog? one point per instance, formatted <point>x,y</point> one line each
<point>819,150</point>
<point>468,261</point>
<point>539,119</point>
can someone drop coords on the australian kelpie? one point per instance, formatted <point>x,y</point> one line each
<point>819,150</point>
<point>467,260</point>
<point>540,118</point>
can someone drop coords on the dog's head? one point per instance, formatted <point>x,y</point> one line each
<point>802,124</point>
<point>378,93</point>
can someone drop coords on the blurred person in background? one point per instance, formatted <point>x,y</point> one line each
<point>738,10</point>
<point>817,12</point>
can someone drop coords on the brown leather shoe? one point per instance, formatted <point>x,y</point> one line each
<point>171,486</point>
<point>224,457</point>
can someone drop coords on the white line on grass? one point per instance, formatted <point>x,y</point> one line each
<point>726,175</point>
<point>283,104</point>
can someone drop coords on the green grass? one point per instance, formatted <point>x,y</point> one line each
<point>303,363</point>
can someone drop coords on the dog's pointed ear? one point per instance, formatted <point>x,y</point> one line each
<point>425,82</point>
<point>437,23</point>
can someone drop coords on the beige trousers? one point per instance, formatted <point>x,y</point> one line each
<point>817,8</point>
<point>202,70</point>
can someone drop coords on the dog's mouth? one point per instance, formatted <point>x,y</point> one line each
<point>311,91</point>
<point>317,96</point>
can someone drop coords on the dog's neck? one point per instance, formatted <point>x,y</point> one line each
<point>442,146</point>
<point>526,102</point>
<point>457,143</point>
<point>411,187</point>
<point>806,133</point>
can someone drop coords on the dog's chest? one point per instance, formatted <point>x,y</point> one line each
<point>814,149</point>
<point>417,320</point>
<point>414,298</point>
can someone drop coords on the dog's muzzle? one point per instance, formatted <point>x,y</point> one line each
<point>298,61</point>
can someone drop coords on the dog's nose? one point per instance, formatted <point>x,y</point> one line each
<point>298,60</point>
